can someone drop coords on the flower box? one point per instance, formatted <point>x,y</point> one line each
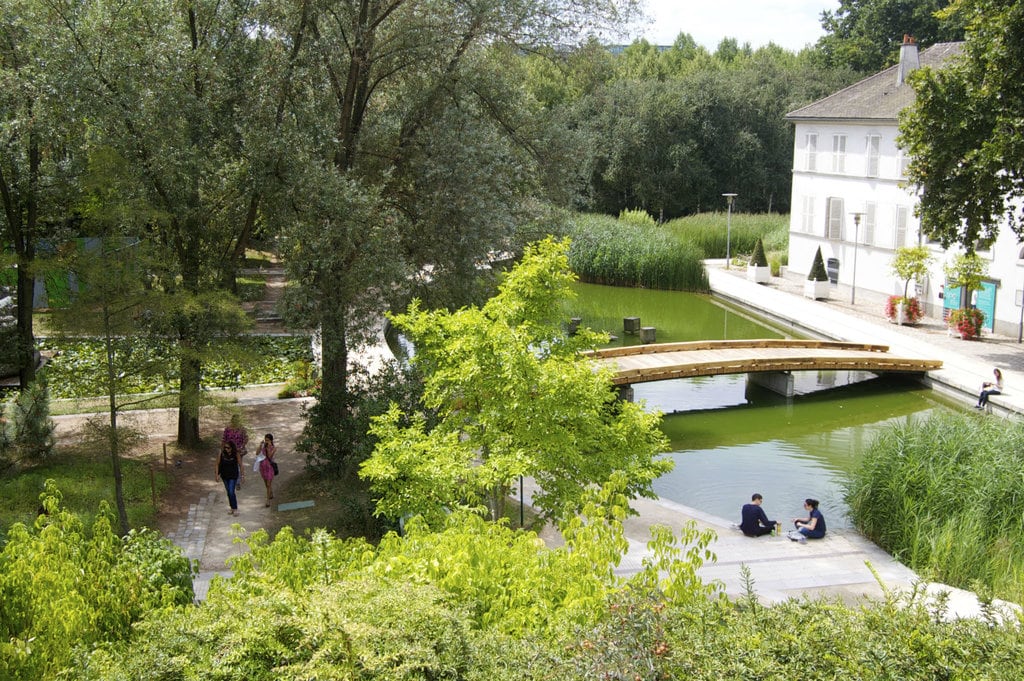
<point>967,322</point>
<point>902,310</point>
<point>759,274</point>
<point>816,290</point>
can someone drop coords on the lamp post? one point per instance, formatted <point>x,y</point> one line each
<point>856,241</point>
<point>728,228</point>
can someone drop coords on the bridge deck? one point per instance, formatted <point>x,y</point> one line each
<point>664,361</point>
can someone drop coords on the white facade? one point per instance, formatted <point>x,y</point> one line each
<point>845,161</point>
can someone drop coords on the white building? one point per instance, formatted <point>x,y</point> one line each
<point>846,161</point>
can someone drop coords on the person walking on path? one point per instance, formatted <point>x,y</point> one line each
<point>990,388</point>
<point>755,523</point>
<point>267,465</point>
<point>228,470</point>
<point>236,434</point>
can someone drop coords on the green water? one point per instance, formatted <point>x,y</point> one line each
<point>730,439</point>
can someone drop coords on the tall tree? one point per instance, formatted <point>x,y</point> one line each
<point>963,131</point>
<point>171,87</point>
<point>514,397</point>
<point>403,109</point>
<point>37,153</point>
<point>866,34</point>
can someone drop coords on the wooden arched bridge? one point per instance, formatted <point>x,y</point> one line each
<point>664,361</point>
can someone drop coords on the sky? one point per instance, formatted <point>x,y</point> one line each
<point>791,24</point>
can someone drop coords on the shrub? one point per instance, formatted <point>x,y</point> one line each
<point>26,429</point>
<point>638,217</point>
<point>912,311</point>
<point>968,322</point>
<point>758,258</point>
<point>817,272</point>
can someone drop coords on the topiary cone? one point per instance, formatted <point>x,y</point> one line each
<point>758,258</point>
<point>817,272</point>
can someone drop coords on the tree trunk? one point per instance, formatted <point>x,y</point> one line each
<point>26,337</point>
<point>188,397</point>
<point>113,439</point>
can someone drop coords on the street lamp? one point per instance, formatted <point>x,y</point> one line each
<point>856,241</point>
<point>728,228</point>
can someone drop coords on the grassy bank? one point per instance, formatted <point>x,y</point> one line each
<point>944,497</point>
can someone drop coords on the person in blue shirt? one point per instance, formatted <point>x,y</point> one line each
<point>754,522</point>
<point>813,526</point>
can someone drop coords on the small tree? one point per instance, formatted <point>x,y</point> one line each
<point>966,271</point>
<point>758,259</point>
<point>513,397</point>
<point>817,272</point>
<point>911,262</point>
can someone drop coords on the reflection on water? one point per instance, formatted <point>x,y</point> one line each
<point>737,442</point>
<point>730,439</point>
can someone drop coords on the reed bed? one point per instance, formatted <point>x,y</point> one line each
<point>946,497</point>
<point>711,231</point>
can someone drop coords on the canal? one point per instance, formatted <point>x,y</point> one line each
<point>729,439</point>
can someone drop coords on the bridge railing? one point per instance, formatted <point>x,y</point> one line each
<point>654,348</point>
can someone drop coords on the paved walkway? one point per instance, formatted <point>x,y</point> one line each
<point>837,565</point>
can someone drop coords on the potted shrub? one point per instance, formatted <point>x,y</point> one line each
<point>758,270</point>
<point>967,322</point>
<point>903,310</point>
<point>817,284</point>
<point>966,271</point>
<point>909,262</point>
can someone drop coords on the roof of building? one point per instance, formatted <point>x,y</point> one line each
<point>876,98</point>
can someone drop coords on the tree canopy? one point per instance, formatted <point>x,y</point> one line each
<point>866,34</point>
<point>963,131</point>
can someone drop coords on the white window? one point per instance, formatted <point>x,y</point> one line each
<point>874,143</point>
<point>807,224</point>
<point>834,223</point>
<point>870,219</point>
<point>902,161</point>
<point>901,226</point>
<point>838,153</point>
<point>811,151</point>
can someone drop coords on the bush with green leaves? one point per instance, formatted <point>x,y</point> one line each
<point>758,259</point>
<point>943,496</point>
<point>818,272</point>
<point>65,587</point>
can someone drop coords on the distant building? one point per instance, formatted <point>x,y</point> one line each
<point>845,161</point>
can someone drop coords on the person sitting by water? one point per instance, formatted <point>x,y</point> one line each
<point>990,388</point>
<point>811,527</point>
<point>755,523</point>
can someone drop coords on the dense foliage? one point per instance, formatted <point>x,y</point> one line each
<point>77,368</point>
<point>942,495</point>
<point>476,601</point>
<point>866,34</point>
<point>65,587</point>
<point>963,131</point>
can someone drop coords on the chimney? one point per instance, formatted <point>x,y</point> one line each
<point>908,60</point>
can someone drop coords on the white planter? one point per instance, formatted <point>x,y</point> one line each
<point>816,290</point>
<point>759,275</point>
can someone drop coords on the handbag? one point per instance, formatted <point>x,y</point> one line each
<point>273,464</point>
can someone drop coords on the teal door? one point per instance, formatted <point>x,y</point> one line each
<point>986,302</point>
<point>952,299</point>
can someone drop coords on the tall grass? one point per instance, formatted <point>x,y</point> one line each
<point>634,251</point>
<point>711,231</point>
<point>946,496</point>
<point>631,253</point>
